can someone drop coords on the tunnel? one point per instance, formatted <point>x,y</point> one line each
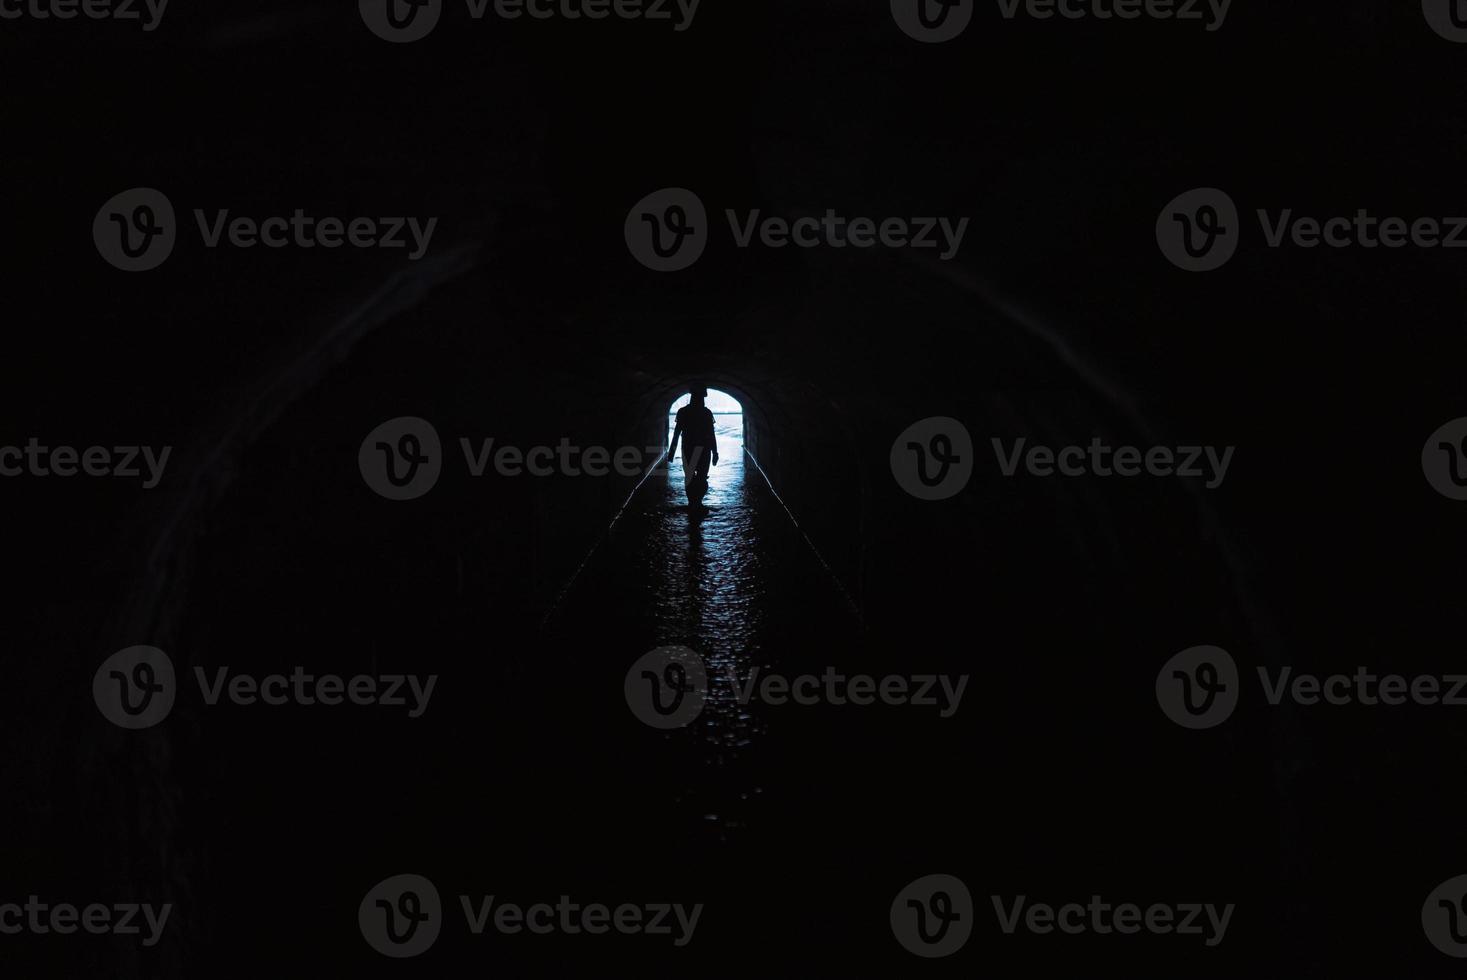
<point>530,598</point>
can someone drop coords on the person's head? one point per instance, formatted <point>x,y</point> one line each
<point>698,393</point>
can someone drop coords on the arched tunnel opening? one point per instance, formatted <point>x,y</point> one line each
<point>719,433</point>
<point>720,403</point>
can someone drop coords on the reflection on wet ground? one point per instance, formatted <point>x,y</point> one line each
<point>734,580</point>
<point>530,774</point>
<point>706,558</point>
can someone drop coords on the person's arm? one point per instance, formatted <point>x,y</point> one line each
<point>677,431</point>
<point>713,437</point>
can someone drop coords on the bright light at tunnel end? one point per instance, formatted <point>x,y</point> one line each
<point>717,402</point>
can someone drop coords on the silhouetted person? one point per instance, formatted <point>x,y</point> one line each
<point>700,448</point>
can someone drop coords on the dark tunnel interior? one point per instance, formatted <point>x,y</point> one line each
<point>528,323</point>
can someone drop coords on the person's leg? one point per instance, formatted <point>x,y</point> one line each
<point>691,456</point>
